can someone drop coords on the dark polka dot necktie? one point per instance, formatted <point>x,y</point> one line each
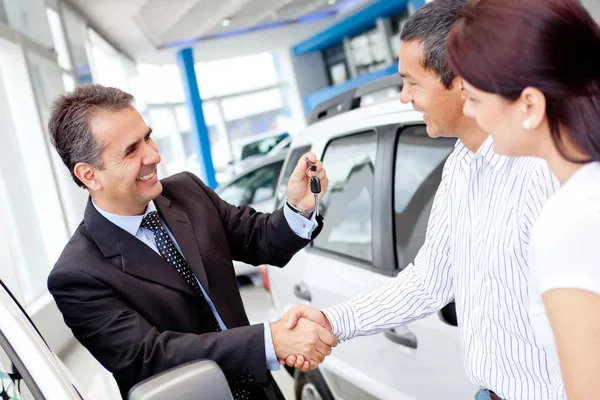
<point>169,252</point>
<point>167,249</point>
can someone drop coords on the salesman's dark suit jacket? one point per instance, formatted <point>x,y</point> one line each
<point>138,317</point>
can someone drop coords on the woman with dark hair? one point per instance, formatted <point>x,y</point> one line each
<point>531,79</point>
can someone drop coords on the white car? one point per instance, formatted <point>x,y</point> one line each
<point>254,148</point>
<point>255,187</point>
<point>30,370</point>
<point>383,173</point>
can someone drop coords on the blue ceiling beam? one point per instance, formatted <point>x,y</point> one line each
<point>353,25</point>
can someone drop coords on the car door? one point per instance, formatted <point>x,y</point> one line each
<point>382,184</point>
<point>28,368</point>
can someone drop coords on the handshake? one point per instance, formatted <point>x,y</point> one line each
<point>302,338</point>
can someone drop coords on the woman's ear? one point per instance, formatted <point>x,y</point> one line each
<point>533,107</point>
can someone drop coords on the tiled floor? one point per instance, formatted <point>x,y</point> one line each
<point>96,383</point>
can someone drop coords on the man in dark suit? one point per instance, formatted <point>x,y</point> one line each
<point>147,283</point>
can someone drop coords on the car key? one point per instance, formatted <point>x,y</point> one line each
<point>315,185</point>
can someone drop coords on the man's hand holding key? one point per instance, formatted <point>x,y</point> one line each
<point>307,185</point>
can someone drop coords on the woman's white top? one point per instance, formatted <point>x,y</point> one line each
<point>565,248</point>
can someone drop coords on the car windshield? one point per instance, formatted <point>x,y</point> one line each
<point>261,146</point>
<point>10,380</point>
<point>23,349</point>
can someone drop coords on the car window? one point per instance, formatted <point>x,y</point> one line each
<point>347,206</point>
<point>417,174</point>
<point>12,386</point>
<point>253,187</point>
<point>293,158</point>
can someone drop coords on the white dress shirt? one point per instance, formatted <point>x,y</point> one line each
<point>475,252</point>
<point>564,248</point>
<point>300,226</point>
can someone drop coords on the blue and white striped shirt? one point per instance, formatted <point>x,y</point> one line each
<point>475,252</point>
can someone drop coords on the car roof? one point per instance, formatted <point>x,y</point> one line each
<point>357,120</point>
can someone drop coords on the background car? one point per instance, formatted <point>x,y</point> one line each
<point>253,149</point>
<point>255,187</point>
<point>383,173</point>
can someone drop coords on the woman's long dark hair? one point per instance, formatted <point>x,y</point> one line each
<point>504,46</point>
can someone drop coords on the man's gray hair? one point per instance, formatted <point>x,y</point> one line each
<point>70,117</point>
<point>431,25</point>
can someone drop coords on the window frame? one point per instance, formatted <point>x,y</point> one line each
<point>400,129</point>
<point>448,313</point>
<point>379,206</point>
<point>385,260</point>
<point>281,199</point>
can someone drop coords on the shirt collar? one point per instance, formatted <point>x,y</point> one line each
<point>486,151</point>
<point>129,223</point>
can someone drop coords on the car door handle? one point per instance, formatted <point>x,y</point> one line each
<point>302,292</point>
<point>404,338</point>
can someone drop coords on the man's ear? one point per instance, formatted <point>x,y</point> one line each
<point>87,174</point>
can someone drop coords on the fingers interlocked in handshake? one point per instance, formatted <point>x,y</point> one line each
<point>302,338</point>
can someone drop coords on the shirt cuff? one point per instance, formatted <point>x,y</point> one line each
<point>341,318</point>
<point>272,361</point>
<point>299,225</point>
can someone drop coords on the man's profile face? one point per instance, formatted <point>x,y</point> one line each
<point>441,107</point>
<point>128,176</point>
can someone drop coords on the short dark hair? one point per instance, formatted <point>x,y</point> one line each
<point>69,128</point>
<point>431,25</point>
<point>505,46</point>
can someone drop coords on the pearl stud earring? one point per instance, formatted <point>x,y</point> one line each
<point>527,124</point>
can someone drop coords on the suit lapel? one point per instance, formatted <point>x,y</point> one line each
<point>181,227</point>
<point>137,258</point>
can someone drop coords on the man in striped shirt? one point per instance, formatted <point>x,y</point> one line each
<point>475,250</point>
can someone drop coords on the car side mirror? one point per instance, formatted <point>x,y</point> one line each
<point>448,314</point>
<point>199,379</point>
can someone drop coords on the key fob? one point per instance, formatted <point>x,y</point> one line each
<point>315,185</point>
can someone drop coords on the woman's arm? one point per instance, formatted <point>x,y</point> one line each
<point>574,315</point>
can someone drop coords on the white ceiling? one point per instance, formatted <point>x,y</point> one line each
<point>142,27</point>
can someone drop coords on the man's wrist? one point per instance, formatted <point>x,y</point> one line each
<point>305,213</point>
<point>276,329</point>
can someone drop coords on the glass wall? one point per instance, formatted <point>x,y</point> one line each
<point>75,29</point>
<point>46,50</point>
<point>29,18</point>
<point>242,97</point>
<point>108,66</point>
<point>32,193</point>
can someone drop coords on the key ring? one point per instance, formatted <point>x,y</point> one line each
<point>311,168</point>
